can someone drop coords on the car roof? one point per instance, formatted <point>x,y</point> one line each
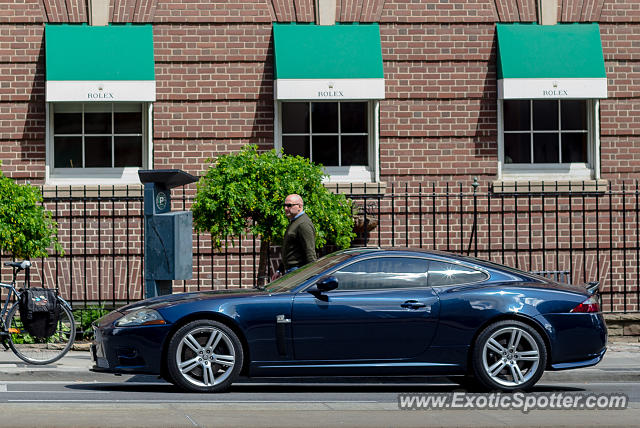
<point>407,251</point>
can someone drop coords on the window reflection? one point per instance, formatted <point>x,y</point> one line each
<point>443,273</point>
<point>383,272</point>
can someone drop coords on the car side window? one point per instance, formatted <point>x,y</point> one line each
<point>383,272</point>
<point>443,273</point>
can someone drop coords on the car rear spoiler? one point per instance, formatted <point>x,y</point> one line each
<point>593,287</point>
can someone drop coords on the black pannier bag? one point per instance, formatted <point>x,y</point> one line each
<point>39,311</point>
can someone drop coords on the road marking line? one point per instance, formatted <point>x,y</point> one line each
<point>77,383</point>
<point>197,401</point>
<point>28,391</point>
<point>3,387</point>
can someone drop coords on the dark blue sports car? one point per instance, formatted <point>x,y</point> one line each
<point>363,312</point>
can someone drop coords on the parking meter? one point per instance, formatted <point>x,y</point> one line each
<point>168,243</point>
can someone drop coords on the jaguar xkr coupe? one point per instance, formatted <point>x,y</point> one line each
<point>363,312</point>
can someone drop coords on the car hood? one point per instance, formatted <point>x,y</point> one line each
<point>160,301</point>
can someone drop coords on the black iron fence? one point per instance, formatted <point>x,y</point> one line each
<point>578,232</point>
<point>582,232</point>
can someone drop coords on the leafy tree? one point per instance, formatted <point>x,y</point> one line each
<point>243,193</point>
<point>26,228</point>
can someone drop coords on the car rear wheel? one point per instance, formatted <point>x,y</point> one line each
<point>204,356</point>
<point>509,356</point>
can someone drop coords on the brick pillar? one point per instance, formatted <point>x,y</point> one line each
<point>547,12</point>
<point>325,12</point>
<point>99,12</point>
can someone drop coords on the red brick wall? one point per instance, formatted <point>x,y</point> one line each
<point>214,69</point>
<point>440,11</point>
<point>206,11</point>
<point>27,11</point>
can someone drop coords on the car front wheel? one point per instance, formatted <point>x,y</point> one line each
<point>204,356</point>
<point>509,356</point>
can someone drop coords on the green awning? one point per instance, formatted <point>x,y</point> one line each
<point>342,61</point>
<point>99,63</point>
<point>550,61</point>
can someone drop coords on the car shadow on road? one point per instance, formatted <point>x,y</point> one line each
<point>150,384</point>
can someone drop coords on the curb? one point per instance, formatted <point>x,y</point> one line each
<point>59,375</point>
<point>81,347</point>
<point>589,376</point>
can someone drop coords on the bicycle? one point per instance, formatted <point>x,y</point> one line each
<point>33,349</point>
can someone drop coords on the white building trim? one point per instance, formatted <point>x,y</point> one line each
<point>575,88</point>
<point>97,91</point>
<point>328,89</point>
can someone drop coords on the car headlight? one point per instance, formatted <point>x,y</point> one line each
<point>143,316</point>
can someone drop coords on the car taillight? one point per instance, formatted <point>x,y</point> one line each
<point>592,304</point>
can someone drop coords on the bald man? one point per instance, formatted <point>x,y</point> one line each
<point>299,243</point>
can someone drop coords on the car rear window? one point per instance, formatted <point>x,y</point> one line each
<point>443,273</point>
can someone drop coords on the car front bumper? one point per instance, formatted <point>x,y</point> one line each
<point>131,350</point>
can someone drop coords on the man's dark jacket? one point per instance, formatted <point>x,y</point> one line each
<point>299,243</point>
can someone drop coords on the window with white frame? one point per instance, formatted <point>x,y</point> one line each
<point>548,137</point>
<point>337,135</point>
<point>97,140</point>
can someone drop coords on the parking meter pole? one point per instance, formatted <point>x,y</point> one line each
<point>168,247</point>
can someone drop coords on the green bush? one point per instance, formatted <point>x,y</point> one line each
<point>243,193</point>
<point>26,228</point>
<point>85,317</point>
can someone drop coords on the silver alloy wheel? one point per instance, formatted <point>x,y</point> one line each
<point>205,356</point>
<point>510,357</point>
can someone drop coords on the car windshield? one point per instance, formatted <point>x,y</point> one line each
<point>298,276</point>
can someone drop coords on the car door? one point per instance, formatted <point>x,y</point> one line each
<point>382,309</point>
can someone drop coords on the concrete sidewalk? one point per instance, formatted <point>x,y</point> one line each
<point>73,366</point>
<point>621,363</point>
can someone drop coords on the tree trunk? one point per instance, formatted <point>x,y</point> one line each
<point>263,266</point>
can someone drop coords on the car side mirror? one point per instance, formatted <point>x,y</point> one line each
<point>325,284</point>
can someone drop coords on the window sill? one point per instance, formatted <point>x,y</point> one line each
<point>124,176</point>
<point>549,186</point>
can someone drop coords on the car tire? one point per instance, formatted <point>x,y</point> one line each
<point>204,356</point>
<point>509,356</point>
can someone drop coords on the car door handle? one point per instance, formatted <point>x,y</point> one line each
<point>413,304</point>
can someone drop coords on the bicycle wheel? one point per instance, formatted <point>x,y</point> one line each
<point>38,350</point>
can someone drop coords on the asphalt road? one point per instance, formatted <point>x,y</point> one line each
<point>66,394</point>
<point>136,402</point>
